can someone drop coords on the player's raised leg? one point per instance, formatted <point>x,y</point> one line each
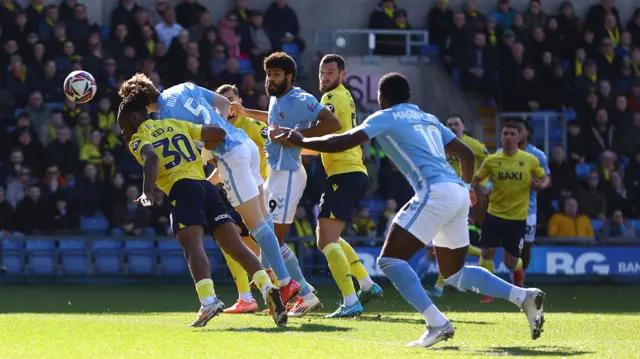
<point>245,303</point>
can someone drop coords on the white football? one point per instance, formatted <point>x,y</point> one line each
<point>80,87</point>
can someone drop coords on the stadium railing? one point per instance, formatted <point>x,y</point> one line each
<point>80,258</point>
<point>333,38</point>
<point>549,127</point>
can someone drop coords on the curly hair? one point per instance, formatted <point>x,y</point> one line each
<point>282,61</point>
<point>137,93</point>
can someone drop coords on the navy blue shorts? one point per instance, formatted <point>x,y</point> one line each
<point>237,218</point>
<point>505,233</point>
<point>196,203</point>
<point>341,196</point>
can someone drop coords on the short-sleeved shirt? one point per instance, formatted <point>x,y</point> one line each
<point>415,141</point>
<point>172,141</point>
<point>511,177</point>
<point>479,150</point>
<point>258,133</point>
<point>340,103</point>
<point>296,109</point>
<point>188,102</point>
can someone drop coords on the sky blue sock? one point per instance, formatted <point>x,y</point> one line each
<point>406,281</point>
<point>480,280</point>
<point>268,243</point>
<point>269,220</point>
<point>293,267</point>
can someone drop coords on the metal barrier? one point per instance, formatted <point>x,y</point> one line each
<point>553,126</point>
<point>412,38</point>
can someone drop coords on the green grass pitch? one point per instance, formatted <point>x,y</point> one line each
<point>150,321</point>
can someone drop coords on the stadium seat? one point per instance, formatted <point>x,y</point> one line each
<point>583,170</point>
<point>293,50</point>
<point>96,225</point>
<point>141,257</point>
<point>17,112</point>
<point>107,257</point>
<point>556,205</point>
<point>41,257</point>
<point>172,259</point>
<point>376,206</point>
<point>13,256</point>
<point>215,255</point>
<point>104,32</point>
<point>73,257</point>
<point>596,224</point>
<point>54,105</point>
<point>245,66</point>
<point>570,115</point>
<point>430,50</point>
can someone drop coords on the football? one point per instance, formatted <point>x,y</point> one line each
<point>80,87</point>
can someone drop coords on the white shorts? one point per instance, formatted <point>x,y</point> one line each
<point>530,232</point>
<point>285,189</point>
<point>240,172</point>
<point>439,214</point>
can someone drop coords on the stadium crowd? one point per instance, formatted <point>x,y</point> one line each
<point>60,162</point>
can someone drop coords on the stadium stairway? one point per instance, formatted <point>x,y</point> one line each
<point>486,117</point>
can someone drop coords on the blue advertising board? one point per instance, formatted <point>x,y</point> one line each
<point>546,260</point>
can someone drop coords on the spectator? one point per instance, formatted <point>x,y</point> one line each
<point>593,198</point>
<point>263,102</point>
<point>563,175</point>
<point>242,12</point>
<point>557,86</point>
<point>115,194</point>
<point>18,78</point>
<point>619,198</point>
<point>131,219</point>
<point>363,225</point>
<point>634,27</point>
<point>629,138</point>
<point>16,186</point>
<point>569,26</point>
<point>248,91</point>
<point>228,34</point>
<point>49,84</point>
<point>11,167</point>
<point>260,43</point>
<point>457,40</point>
<point>597,14</point>
<point>588,43</point>
<point>148,41</point>
<point>621,115</point>
<point>474,19</point>
<point>553,37</point>
<point>197,30</point>
<point>9,48</point>
<point>119,40</point>
<point>53,186</point>
<point>188,12</point>
<point>35,12</point>
<point>193,73</point>
<point>80,28</point>
<point>538,45</point>
<point>45,28</point>
<point>110,77</point>
<point>478,65</point>
<point>124,13</point>
<point>231,75</point>
<point>84,130</point>
<point>92,152</point>
<point>48,131</point>
<point>634,96</point>
<point>63,153</point>
<point>600,135</point>
<point>281,24</point>
<point>159,214</point>
<point>66,10</point>
<point>605,97</point>
<point>584,83</point>
<point>9,10</point>
<point>88,192</point>
<point>503,14</point>
<point>31,148</point>
<point>440,24</point>
<point>55,43</point>
<point>65,221</point>
<point>609,29</point>
<point>33,214</point>
<point>570,224</point>
<point>7,215</point>
<point>168,29</point>
<point>218,62</point>
<point>301,225</point>
<point>625,46</point>
<point>534,16</point>
<point>617,226</point>
<point>385,221</point>
<point>586,115</point>
<point>518,28</point>
<point>607,166</point>
<point>526,93</point>
<point>609,64</point>
<point>381,18</point>
<point>513,64</point>
<point>137,28</point>
<point>131,63</point>
<point>632,176</point>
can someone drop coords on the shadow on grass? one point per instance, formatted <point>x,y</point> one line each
<point>304,327</point>
<point>388,319</point>
<point>543,350</point>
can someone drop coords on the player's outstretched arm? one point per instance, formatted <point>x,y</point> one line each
<point>238,110</point>
<point>150,173</point>
<point>212,135</point>
<point>327,124</point>
<point>328,144</point>
<point>466,156</point>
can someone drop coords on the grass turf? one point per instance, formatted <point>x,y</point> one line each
<point>150,321</point>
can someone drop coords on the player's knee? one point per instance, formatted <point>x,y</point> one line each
<point>453,278</point>
<point>510,261</point>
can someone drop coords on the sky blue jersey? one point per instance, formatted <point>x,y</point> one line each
<point>533,195</point>
<point>297,109</point>
<point>415,141</point>
<point>188,102</point>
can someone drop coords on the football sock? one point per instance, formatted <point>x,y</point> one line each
<point>269,220</point>
<point>205,290</point>
<point>239,275</point>
<point>357,269</point>
<point>440,281</point>
<point>268,243</point>
<point>474,251</point>
<point>408,284</point>
<point>519,265</point>
<point>246,297</point>
<point>340,270</point>
<point>487,264</point>
<point>261,279</point>
<point>293,267</point>
<point>480,280</point>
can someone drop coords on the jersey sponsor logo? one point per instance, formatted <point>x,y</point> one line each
<point>504,176</point>
<point>135,145</point>
<point>330,107</point>
<point>222,217</point>
<point>264,133</point>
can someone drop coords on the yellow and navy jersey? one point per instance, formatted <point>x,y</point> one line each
<point>258,133</point>
<point>511,177</point>
<point>172,140</point>
<point>479,150</point>
<point>340,103</point>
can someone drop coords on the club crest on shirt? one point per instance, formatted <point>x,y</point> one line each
<point>521,163</point>
<point>134,145</point>
<point>281,116</point>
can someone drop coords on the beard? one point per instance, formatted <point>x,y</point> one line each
<point>329,87</point>
<point>278,91</point>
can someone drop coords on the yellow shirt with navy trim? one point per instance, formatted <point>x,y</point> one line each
<point>511,177</point>
<point>172,140</point>
<point>258,133</point>
<point>340,103</point>
<point>479,150</point>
